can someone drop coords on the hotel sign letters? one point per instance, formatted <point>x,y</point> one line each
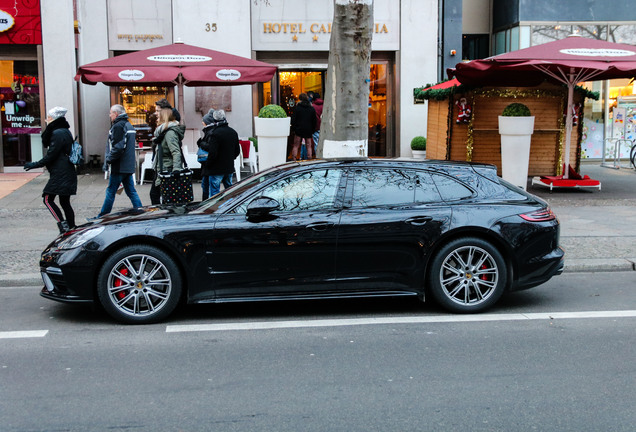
<point>290,25</point>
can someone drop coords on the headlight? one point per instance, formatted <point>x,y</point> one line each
<point>78,239</point>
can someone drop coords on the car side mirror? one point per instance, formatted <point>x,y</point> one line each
<point>261,207</point>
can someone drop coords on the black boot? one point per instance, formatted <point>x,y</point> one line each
<point>63,227</point>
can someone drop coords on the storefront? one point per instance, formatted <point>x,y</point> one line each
<point>20,85</point>
<point>297,41</point>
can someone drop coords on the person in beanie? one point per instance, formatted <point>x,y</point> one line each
<point>208,127</point>
<point>303,123</point>
<point>222,147</point>
<point>120,155</point>
<point>57,139</point>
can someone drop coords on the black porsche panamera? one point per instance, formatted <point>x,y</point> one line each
<point>322,229</point>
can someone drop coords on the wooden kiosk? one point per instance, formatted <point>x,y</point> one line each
<point>452,135</point>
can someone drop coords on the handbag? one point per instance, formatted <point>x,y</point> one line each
<point>176,186</point>
<point>202,155</point>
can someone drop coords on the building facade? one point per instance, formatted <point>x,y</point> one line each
<point>293,35</point>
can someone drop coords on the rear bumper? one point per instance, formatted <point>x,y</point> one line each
<point>543,269</point>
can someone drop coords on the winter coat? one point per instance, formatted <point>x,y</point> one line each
<point>168,143</point>
<point>318,107</point>
<point>222,147</point>
<point>204,143</point>
<point>120,153</point>
<point>303,121</point>
<point>58,139</point>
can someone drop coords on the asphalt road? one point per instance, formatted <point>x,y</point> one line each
<point>559,357</point>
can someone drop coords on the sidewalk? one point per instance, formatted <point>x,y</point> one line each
<point>598,228</point>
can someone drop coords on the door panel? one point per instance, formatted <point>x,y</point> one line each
<point>386,235</point>
<point>291,251</point>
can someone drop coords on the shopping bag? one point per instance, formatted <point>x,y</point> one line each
<point>176,187</point>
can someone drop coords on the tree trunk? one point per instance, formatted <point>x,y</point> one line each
<point>344,130</point>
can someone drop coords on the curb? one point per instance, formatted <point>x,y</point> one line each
<point>585,265</point>
<point>21,279</point>
<point>592,265</point>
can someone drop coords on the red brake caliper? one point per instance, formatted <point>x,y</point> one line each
<point>119,282</point>
<point>483,277</point>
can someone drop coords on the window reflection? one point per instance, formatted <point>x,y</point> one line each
<point>307,191</point>
<point>392,187</point>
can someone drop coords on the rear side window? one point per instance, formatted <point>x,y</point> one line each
<point>450,189</point>
<point>392,187</point>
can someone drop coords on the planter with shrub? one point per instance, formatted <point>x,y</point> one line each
<point>516,125</point>
<point>272,129</point>
<point>418,147</point>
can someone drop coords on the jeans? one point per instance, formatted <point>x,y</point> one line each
<point>205,186</point>
<point>215,182</point>
<point>113,184</point>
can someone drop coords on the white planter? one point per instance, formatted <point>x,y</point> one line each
<point>516,133</point>
<point>272,136</point>
<point>419,154</point>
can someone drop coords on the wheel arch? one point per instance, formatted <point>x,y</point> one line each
<point>140,240</point>
<point>483,234</point>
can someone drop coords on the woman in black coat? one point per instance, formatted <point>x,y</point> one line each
<point>57,139</point>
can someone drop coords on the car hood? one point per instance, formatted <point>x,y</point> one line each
<point>148,213</point>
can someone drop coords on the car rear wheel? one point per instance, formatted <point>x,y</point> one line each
<point>139,285</point>
<point>467,275</point>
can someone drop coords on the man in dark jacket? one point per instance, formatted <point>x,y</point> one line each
<point>222,145</point>
<point>303,123</point>
<point>120,155</point>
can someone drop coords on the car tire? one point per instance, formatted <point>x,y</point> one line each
<point>467,275</point>
<point>139,285</point>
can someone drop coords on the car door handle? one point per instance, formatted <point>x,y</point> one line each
<point>319,226</point>
<point>418,220</point>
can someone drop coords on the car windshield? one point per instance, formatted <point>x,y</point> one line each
<point>225,197</point>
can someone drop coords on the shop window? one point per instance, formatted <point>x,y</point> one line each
<point>474,46</point>
<point>377,110</point>
<point>139,102</point>
<point>20,108</point>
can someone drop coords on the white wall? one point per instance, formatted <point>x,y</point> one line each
<point>58,52</point>
<point>94,99</point>
<point>417,66</point>
<point>232,36</point>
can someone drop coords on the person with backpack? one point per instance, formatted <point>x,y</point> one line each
<point>120,155</point>
<point>58,140</point>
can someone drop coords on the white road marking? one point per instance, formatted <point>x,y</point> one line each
<point>268,325</point>
<point>23,334</point>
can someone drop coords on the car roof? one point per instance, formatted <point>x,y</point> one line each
<point>398,161</point>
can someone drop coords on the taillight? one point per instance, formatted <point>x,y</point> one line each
<point>542,215</point>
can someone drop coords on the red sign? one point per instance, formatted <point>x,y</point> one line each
<point>20,22</point>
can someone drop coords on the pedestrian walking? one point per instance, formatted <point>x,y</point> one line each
<point>223,147</point>
<point>168,137</point>
<point>208,127</point>
<point>57,139</point>
<point>303,123</point>
<point>120,156</point>
<point>317,103</point>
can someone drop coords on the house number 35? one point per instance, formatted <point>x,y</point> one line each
<point>210,27</point>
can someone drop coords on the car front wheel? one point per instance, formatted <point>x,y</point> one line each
<point>467,275</point>
<point>139,285</point>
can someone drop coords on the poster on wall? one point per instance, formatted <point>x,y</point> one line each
<point>20,22</point>
<point>592,139</point>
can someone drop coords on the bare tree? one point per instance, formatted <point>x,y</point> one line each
<point>344,129</point>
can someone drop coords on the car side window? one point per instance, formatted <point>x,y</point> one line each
<point>425,189</point>
<point>314,190</point>
<point>450,189</point>
<point>382,187</point>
